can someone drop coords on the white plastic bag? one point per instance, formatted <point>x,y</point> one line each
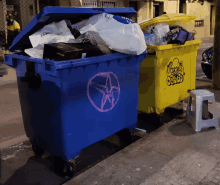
<point>35,52</point>
<point>52,33</point>
<point>118,33</point>
<point>160,31</point>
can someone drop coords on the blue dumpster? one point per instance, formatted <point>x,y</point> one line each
<point>70,105</point>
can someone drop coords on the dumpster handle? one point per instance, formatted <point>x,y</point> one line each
<point>33,80</point>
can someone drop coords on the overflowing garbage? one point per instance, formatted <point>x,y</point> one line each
<point>159,32</point>
<point>166,29</point>
<point>162,33</point>
<point>99,35</point>
<point>105,34</point>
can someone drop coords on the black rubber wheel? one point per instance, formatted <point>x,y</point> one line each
<point>125,137</point>
<point>208,74</point>
<point>160,119</point>
<point>63,168</point>
<point>38,151</point>
<point>68,169</point>
<point>207,69</point>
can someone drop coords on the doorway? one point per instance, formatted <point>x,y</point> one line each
<point>158,9</point>
<point>182,6</point>
<point>212,20</point>
<point>134,4</point>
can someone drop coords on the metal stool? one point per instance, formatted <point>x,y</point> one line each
<point>196,117</point>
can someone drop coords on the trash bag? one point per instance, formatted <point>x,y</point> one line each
<point>90,37</point>
<point>75,32</point>
<point>190,36</point>
<point>177,35</point>
<point>52,33</point>
<point>160,31</point>
<point>118,33</point>
<point>36,52</point>
<point>80,24</point>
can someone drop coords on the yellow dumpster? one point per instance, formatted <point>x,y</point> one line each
<point>167,73</point>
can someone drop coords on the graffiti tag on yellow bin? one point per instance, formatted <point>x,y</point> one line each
<point>175,72</point>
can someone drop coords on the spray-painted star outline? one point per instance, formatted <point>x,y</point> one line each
<point>107,92</point>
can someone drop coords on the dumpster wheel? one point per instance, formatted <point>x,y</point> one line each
<point>125,137</point>
<point>161,120</point>
<point>63,168</point>
<point>38,151</point>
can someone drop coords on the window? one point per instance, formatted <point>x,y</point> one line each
<point>88,3</point>
<point>31,10</point>
<point>199,23</point>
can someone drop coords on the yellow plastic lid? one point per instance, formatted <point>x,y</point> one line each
<point>170,19</point>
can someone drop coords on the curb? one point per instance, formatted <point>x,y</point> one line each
<point>13,141</point>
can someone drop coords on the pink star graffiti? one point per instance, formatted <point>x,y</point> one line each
<point>106,90</point>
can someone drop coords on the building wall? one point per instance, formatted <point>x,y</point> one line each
<point>202,12</point>
<point>145,12</point>
<point>171,6</point>
<point>76,3</point>
<point>26,16</point>
<point>104,3</point>
<point>64,3</point>
<point>146,9</point>
<point>212,29</point>
<point>2,20</point>
<point>123,3</point>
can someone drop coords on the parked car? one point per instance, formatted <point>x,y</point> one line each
<point>206,63</point>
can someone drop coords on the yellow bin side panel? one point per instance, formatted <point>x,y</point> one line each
<point>147,85</point>
<point>166,77</point>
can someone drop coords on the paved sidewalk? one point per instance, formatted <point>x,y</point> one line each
<point>10,77</point>
<point>207,42</point>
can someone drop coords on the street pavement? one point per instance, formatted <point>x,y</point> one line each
<point>11,124</point>
<point>10,77</point>
<point>19,165</point>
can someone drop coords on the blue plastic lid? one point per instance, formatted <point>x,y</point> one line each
<point>56,14</point>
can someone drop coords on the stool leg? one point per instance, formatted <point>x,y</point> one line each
<point>199,104</point>
<point>205,110</point>
<point>188,108</point>
<point>215,117</point>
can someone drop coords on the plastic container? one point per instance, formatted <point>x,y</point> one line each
<point>70,105</point>
<point>168,71</point>
<point>149,39</point>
